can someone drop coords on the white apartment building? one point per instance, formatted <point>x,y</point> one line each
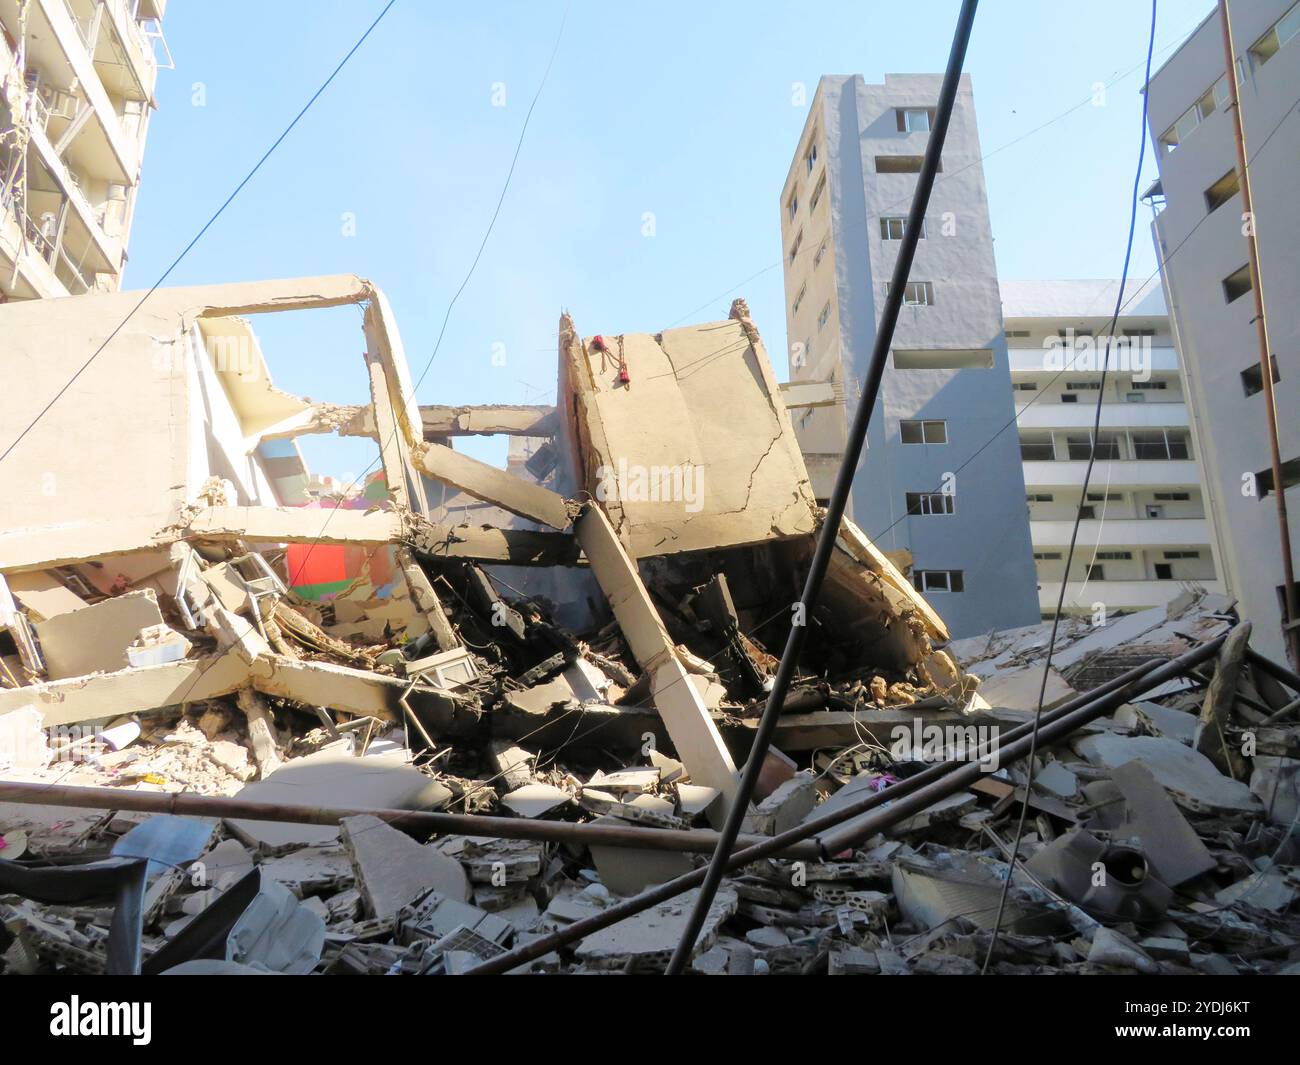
<point>1144,536</point>
<point>1204,260</point>
<point>76,92</point>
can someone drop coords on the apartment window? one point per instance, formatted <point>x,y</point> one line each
<point>1149,385</point>
<point>1252,378</point>
<point>1213,99</point>
<point>1139,332</point>
<point>1221,191</point>
<point>1066,334</point>
<point>1135,397</point>
<point>893,228</point>
<point>916,293</point>
<point>1159,444</point>
<point>938,580</point>
<point>1173,497</point>
<point>824,316</point>
<point>1047,556</point>
<point>1024,386</point>
<point>930,503</point>
<point>794,248</point>
<point>1096,573</point>
<point>1017,334</point>
<point>914,119</point>
<point>1164,571</point>
<point>821,254</point>
<point>792,205</point>
<point>1103,497</point>
<point>1236,284</point>
<point>1069,397</point>
<point>1290,477</point>
<point>798,300</point>
<point>1039,497</point>
<point>1181,554</point>
<point>817,194</point>
<point>1036,451</point>
<point>810,158</point>
<point>923,432</point>
<point>1115,556</point>
<point>1079,445</point>
<point>1282,31</point>
<point>1083,386</point>
<point>902,164</point>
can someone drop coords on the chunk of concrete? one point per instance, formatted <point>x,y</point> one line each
<point>392,870</point>
<point>95,638</point>
<point>630,870</point>
<point>334,777</point>
<point>535,800</point>
<point>647,939</point>
<point>1275,781</point>
<point>1189,776</point>
<point>787,806</point>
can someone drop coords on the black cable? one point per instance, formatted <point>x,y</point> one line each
<point>1078,514</point>
<point>829,532</point>
<point>199,235</point>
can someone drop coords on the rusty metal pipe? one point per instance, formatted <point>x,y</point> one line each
<point>695,841</point>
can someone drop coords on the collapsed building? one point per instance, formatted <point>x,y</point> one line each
<point>517,696</point>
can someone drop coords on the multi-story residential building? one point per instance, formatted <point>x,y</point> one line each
<point>1204,258</point>
<point>76,91</point>
<point>1143,534</point>
<point>940,476</point>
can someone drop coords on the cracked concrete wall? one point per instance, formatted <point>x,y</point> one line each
<point>129,443</point>
<point>695,449</point>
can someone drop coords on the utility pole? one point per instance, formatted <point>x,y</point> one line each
<point>1291,613</point>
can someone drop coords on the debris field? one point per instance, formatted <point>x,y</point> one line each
<point>468,717</point>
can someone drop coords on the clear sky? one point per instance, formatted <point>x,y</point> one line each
<point>679,111</point>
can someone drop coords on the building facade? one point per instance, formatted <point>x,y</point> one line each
<point>940,477</point>
<point>1203,253</point>
<point>76,92</point>
<point>1144,535</point>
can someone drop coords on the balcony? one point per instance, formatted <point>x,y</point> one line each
<point>1123,532</point>
<point>1114,475</point>
<point>1050,413</point>
<point>1042,360</point>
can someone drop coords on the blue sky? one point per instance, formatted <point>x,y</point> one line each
<point>680,110</point>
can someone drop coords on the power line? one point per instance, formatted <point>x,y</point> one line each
<point>1078,514</point>
<point>505,187</point>
<point>206,226</point>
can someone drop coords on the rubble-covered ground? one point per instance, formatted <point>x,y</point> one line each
<point>410,731</point>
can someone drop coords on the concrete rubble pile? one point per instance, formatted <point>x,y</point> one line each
<point>485,704</point>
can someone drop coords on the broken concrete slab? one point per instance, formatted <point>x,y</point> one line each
<point>95,638</point>
<point>535,800</point>
<point>646,941</point>
<point>1189,776</point>
<point>705,399</point>
<point>334,777</point>
<point>1275,782</point>
<point>1150,816</point>
<point>392,870</point>
<point>628,871</point>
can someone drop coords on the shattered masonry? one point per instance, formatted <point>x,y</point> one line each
<point>491,703</point>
